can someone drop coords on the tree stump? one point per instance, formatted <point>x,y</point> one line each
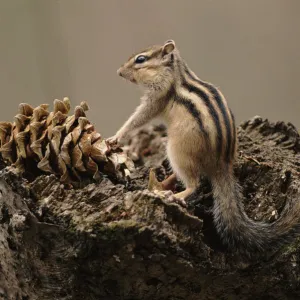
<point>114,241</point>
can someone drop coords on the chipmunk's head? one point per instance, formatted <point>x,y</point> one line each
<point>151,68</point>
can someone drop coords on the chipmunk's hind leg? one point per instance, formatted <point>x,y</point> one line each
<point>170,182</point>
<point>183,165</point>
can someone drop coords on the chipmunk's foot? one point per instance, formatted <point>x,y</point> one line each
<point>170,197</point>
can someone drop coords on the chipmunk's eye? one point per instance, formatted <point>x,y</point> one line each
<point>140,59</point>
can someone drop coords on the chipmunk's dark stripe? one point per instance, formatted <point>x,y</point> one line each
<point>189,105</point>
<point>228,124</point>
<point>202,95</point>
<point>172,58</point>
<point>149,52</point>
<point>222,108</point>
<point>234,135</point>
<point>170,62</point>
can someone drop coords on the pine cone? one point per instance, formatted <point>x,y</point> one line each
<point>52,142</point>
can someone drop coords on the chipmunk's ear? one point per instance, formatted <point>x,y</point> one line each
<point>168,47</point>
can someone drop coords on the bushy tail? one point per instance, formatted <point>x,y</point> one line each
<point>241,233</point>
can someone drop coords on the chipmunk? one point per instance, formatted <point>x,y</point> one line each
<point>201,141</point>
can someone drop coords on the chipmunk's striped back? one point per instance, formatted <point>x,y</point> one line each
<point>216,105</point>
<point>201,139</point>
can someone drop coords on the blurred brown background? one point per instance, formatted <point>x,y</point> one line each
<point>55,48</point>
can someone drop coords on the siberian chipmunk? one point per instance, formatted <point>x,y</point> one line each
<point>201,140</point>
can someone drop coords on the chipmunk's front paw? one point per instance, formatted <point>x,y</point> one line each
<point>113,140</point>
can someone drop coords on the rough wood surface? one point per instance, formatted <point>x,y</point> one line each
<point>113,241</point>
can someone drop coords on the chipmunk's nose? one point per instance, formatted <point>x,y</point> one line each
<point>119,72</point>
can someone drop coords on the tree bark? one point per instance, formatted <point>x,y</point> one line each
<point>114,241</point>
